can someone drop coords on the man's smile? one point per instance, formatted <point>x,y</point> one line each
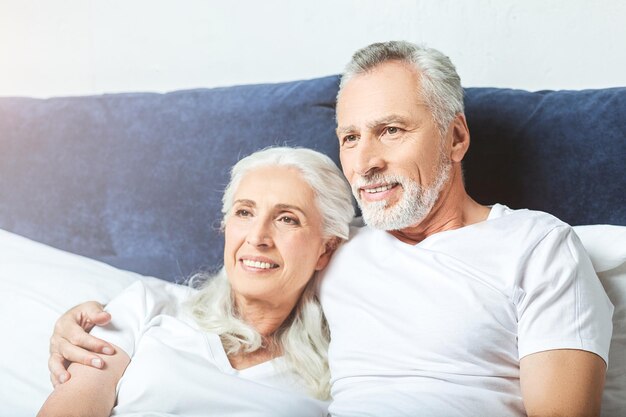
<point>377,192</point>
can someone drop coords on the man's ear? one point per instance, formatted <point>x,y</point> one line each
<point>329,248</point>
<point>460,138</point>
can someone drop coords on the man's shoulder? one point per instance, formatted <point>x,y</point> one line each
<point>517,231</point>
<point>535,220</point>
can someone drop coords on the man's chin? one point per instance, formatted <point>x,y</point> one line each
<point>383,220</point>
<point>391,218</point>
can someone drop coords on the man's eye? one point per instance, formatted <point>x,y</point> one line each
<point>349,138</point>
<point>392,130</point>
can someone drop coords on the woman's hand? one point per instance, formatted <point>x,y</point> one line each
<point>71,341</point>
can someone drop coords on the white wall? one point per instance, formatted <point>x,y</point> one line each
<point>76,47</point>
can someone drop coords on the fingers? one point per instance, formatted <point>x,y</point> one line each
<point>68,352</point>
<point>89,314</point>
<point>101,319</point>
<point>58,373</point>
<point>70,341</point>
<point>86,343</point>
<point>66,341</point>
<point>72,327</point>
<point>73,353</point>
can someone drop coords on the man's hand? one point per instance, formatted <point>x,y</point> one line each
<point>71,341</point>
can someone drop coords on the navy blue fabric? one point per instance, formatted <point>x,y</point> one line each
<point>136,180</point>
<point>563,152</point>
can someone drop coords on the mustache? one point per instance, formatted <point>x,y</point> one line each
<point>375,179</point>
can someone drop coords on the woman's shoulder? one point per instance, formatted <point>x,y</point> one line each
<point>161,289</point>
<point>152,296</point>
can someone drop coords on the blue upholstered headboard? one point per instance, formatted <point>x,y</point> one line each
<point>135,180</point>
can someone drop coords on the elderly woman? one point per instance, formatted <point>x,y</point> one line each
<point>252,341</point>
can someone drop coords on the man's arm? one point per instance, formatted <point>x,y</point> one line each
<point>70,341</point>
<point>563,382</point>
<point>90,392</point>
<point>564,329</point>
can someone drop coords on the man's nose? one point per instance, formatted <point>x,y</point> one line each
<point>369,158</point>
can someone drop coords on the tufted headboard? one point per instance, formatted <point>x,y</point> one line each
<point>135,180</point>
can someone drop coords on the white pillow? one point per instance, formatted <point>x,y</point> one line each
<point>606,246</point>
<point>37,284</point>
<point>614,401</point>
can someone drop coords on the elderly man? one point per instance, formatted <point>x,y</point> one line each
<point>440,306</point>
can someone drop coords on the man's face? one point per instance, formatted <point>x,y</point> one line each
<point>390,148</point>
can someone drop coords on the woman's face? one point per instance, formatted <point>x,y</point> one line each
<point>273,237</point>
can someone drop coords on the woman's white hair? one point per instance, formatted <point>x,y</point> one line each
<point>304,336</point>
<point>441,85</point>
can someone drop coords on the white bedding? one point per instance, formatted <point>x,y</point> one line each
<point>38,283</point>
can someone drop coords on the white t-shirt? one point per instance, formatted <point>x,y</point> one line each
<point>180,370</point>
<point>438,328</point>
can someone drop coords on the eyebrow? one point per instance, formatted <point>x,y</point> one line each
<point>392,118</point>
<point>251,203</point>
<point>290,207</point>
<point>246,202</point>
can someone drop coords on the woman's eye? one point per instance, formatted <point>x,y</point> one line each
<point>289,220</point>
<point>349,138</point>
<point>242,213</point>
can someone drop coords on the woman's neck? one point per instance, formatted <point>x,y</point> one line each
<point>242,360</point>
<point>265,317</point>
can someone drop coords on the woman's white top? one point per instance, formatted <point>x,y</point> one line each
<point>178,369</point>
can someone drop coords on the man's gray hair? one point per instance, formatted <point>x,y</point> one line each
<point>441,85</point>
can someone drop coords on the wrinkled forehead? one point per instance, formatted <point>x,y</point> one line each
<point>386,74</point>
<point>386,92</point>
<point>276,185</point>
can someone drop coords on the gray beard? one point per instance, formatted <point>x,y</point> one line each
<point>414,205</point>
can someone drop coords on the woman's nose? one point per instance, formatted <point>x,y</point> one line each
<point>259,234</point>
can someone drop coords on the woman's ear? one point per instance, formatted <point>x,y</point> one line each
<point>329,248</point>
